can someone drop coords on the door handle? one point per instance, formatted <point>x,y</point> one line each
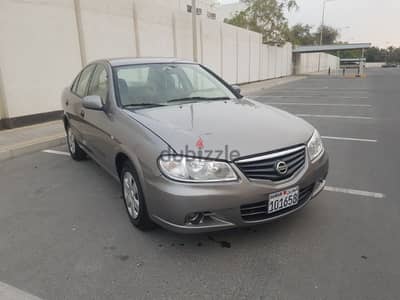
<point>67,103</point>
<point>82,113</point>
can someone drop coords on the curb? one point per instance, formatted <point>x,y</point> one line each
<point>31,146</point>
<point>267,84</point>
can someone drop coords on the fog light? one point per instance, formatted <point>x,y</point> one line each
<point>194,218</point>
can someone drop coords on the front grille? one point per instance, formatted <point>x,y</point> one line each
<point>263,167</point>
<point>259,211</point>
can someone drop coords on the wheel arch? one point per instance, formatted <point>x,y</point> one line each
<point>119,161</point>
<point>65,121</point>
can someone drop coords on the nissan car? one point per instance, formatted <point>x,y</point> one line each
<point>190,152</point>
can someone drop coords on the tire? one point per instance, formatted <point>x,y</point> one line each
<point>133,197</point>
<point>74,149</point>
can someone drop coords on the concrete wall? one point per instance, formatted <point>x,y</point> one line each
<point>154,28</point>
<point>107,28</point>
<point>229,52</point>
<point>39,54</point>
<point>44,44</point>
<point>183,35</point>
<point>211,45</point>
<point>307,63</point>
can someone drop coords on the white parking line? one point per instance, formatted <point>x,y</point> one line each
<point>319,104</point>
<point>348,139</point>
<point>10,292</point>
<point>334,116</point>
<point>352,97</point>
<point>354,192</point>
<point>309,96</point>
<point>272,96</point>
<point>56,152</point>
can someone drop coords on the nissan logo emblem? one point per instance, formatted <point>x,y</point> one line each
<point>281,167</point>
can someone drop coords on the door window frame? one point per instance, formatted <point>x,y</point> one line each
<point>97,65</point>
<point>88,83</point>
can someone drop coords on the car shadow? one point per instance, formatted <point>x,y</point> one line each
<point>228,239</point>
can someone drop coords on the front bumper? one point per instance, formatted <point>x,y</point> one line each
<point>170,202</point>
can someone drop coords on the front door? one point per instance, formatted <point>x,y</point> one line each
<point>99,123</point>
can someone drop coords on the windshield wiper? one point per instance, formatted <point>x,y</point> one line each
<point>198,99</point>
<point>143,105</point>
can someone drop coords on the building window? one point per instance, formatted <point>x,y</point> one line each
<point>212,15</point>
<point>199,11</point>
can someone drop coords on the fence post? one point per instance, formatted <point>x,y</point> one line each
<point>237,56</point>
<point>3,101</point>
<point>194,31</point>
<point>260,59</point>
<point>249,78</point>
<point>81,38</point>
<point>221,39</point>
<point>136,28</point>
<point>174,35</point>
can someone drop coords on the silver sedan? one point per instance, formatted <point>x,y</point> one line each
<point>190,152</point>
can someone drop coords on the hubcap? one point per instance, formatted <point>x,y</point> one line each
<point>131,195</point>
<point>71,141</point>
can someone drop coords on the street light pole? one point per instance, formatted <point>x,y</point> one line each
<point>321,38</point>
<point>322,24</point>
<point>194,28</point>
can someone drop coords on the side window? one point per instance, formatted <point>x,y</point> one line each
<point>99,83</point>
<point>75,84</point>
<point>84,81</point>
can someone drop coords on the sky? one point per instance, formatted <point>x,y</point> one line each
<point>374,21</point>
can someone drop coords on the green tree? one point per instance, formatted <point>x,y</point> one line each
<point>396,55</point>
<point>329,35</point>
<point>374,54</point>
<point>266,17</point>
<point>301,35</point>
<point>392,54</point>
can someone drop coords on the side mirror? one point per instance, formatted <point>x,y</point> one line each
<point>236,89</point>
<point>93,102</point>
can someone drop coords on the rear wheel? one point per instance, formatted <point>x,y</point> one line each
<point>75,150</point>
<point>133,198</point>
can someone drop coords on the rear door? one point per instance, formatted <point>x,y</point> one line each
<point>74,104</point>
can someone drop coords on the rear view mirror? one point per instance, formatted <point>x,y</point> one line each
<point>236,89</point>
<point>93,102</point>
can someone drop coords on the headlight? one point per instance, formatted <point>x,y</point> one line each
<point>187,169</point>
<point>315,146</point>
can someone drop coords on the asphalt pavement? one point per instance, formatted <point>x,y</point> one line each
<point>64,233</point>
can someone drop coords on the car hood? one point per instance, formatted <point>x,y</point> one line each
<point>245,126</point>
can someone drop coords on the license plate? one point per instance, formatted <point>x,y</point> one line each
<point>283,199</point>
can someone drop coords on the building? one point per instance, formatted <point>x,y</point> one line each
<point>204,7</point>
<point>227,11</point>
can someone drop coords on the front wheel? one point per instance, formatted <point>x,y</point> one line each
<point>74,149</point>
<point>133,198</point>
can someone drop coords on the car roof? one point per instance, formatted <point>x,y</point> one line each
<point>125,61</point>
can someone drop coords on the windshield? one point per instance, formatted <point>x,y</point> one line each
<point>156,84</point>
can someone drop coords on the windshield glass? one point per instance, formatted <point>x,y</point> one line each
<point>140,85</point>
